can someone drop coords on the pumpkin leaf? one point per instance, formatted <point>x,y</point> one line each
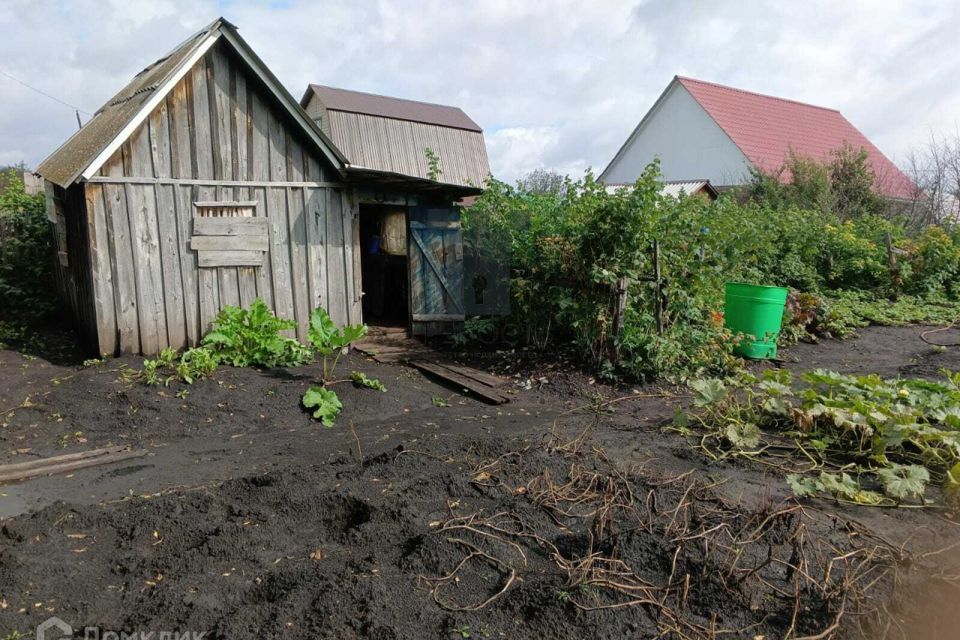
<point>708,391</point>
<point>803,487</point>
<point>904,480</point>
<point>743,435</point>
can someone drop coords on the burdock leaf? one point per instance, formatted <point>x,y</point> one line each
<point>326,404</point>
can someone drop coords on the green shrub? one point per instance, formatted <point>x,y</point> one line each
<point>251,337</point>
<point>821,233</point>
<point>25,252</point>
<point>934,258</point>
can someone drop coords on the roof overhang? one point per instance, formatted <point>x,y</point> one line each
<point>408,184</point>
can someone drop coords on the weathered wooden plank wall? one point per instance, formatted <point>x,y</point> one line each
<point>80,260</point>
<point>218,136</point>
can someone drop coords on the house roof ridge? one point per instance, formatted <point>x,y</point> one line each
<point>683,79</point>
<point>384,106</point>
<point>383,95</point>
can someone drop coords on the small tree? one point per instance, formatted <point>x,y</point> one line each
<point>25,254</point>
<point>541,181</point>
<point>852,182</point>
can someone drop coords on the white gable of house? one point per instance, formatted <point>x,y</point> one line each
<point>689,143</point>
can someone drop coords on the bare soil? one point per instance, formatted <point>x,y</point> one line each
<point>539,518</point>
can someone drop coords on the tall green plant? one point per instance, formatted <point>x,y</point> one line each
<point>566,245</point>
<point>331,342</point>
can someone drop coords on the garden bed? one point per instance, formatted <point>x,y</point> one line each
<point>294,529</point>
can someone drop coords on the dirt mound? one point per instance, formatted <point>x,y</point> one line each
<point>479,539</point>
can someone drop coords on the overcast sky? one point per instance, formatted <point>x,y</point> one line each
<point>557,85</point>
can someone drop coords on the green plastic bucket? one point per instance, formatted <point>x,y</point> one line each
<point>755,311</point>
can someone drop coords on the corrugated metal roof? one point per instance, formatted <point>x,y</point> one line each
<point>80,151</point>
<point>766,128</point>
<point>65,164</point>
<point>674,188</point>
<point>387,107</point>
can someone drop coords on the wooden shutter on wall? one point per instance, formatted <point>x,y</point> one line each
<point>435,250</point>
<point>226,234</point>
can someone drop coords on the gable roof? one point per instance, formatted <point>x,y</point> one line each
<point>90,147</point>
<point>766,128</point>
<point>387,107</point>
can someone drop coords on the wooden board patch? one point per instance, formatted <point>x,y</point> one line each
<point>230,243</point>
<point>229,226</point>
<point>229,236</point>
<point>206,259</point>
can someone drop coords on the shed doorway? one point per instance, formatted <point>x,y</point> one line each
<point>384,267</point>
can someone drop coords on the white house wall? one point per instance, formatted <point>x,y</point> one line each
<point>688,142</point>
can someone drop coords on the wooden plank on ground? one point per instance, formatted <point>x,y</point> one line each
<point>66,463</point>
<point>480,376</point>
<point>484,392</point>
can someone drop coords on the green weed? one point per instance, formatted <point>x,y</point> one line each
<point>360,379</point>
<point>190,366</point>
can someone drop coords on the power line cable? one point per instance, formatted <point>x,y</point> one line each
<point>44,93</point>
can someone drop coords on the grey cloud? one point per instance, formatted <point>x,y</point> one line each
<point>555,84</point>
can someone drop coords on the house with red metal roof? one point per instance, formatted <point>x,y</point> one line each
<point>706,131</point>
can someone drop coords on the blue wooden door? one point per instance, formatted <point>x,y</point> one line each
<point>435,249</point>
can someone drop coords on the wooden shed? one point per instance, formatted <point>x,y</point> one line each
<point>203,183</point>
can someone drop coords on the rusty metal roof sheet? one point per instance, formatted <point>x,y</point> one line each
<point>387,107</point>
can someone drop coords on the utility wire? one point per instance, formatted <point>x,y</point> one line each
<point>44,93</point>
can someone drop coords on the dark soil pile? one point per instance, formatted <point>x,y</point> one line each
<point>496,538</point>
